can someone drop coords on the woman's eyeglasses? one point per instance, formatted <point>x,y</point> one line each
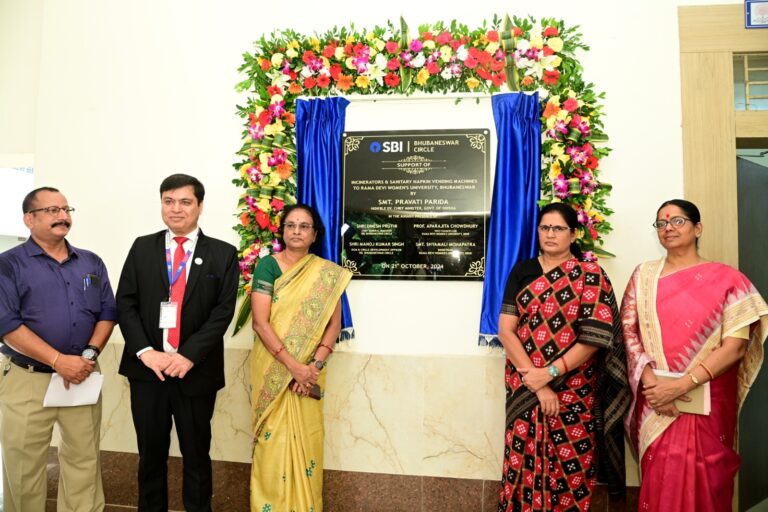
<point>555,229</point>
<point>674,221</point>
<point>291,226</point>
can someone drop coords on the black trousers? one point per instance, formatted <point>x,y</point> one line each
<point>154,406</point>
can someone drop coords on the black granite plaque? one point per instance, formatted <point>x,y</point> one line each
<point>416,204</point>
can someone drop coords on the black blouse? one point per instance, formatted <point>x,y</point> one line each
<point>523,273</point>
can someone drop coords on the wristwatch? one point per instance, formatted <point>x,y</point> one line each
<point>319,364</point>
<point>90,353</point>
<point>553,370</point>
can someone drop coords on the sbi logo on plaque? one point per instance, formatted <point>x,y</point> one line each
<point>391,146</point>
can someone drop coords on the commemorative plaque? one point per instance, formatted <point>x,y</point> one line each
<point>416,204</point>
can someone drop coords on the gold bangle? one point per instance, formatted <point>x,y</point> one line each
<point>693,379</point>
<point>53,364</point>
<point>706,368</point>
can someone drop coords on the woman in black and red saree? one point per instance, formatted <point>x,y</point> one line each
<point>565,375</point>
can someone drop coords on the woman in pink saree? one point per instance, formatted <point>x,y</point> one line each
<point>706,321</point>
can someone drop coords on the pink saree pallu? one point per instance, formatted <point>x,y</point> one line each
<point>673,323</point>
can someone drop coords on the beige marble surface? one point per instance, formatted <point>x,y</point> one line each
<point>413,415</point>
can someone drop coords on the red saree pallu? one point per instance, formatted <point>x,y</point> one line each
<point>673,323</point>
<point>550,463</point>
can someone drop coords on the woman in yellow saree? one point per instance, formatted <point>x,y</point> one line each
<point>297,318</point>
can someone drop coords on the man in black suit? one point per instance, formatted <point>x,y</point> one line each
<point>175,300</point>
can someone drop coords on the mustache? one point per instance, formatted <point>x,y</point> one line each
<point>62,223</point>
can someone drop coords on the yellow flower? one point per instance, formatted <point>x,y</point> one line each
<point>588,206</point>
<point>571,93</point>
<point>294,44</point>
<point>537,42</point>
<point>350,39</point>
<point>315,43</point>
<point>276,98</point>
<point>429,44</point>
<point>579,234</point>
<point>555,170</point>
<point>326,62</point>
<point>349,63</point>
<point>370,36</point>
<point>564,158</point>
<point>492,47</point>
<point>551,120</point>
<point>362,81</point>
<point>422,77</point>
<point>562,114</point>
<point>555,43</point>
<point>473,83</point>
<point>291,53</point>
<point>598,217</point>
<point>556,61</point>
<point>276,59</point>
<point>380,45</point>
<point>339,53</point>
<point>274,128</point>
<point>556,149</point>
<point>247,251</point>
<point>446,52</point>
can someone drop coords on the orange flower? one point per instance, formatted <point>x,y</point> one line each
<point>344,82</point>
<point>289,118</point>
<point>245,219</point>
<point>283,170</point>
<point>551,109</point>
<point>294,88</point>
<point>526,81</point>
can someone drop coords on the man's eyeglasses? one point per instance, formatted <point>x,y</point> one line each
<point>291,226</point>
<point>54,210</point>
<point>555,229</point>
<point>674,221</point>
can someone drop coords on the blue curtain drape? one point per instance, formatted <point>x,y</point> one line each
<point>514,209</point>
<point>319,127</point>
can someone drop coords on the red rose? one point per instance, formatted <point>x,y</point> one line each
<point>309,82</point>
<point>433,68</point>
<point>348,49</point>
<point>470,62</point>
<point>550,31</point>
<point>393,64</point>
<point>547,51</point>
<point>497,65</point>
<point>323,81</point>
<point>272,228</point>
<point>265,65</point>
<point>265,118</point>
<point>308,56</point>
<point>455,44</point>
<point>498,79</point>
<point>443,38</point>
<point>492,36</point>
<point>292,74</point>
<point>274,90</point>
<point>392,80</point>
<point>392,47</point>
<point>262,219</point>
<point>427,36</point>
<point>329,51</point>
<point>591,163</point>
<point>517,31</point>
<point>483,73</point>
<point>335,71</point>
<point>571,104</point>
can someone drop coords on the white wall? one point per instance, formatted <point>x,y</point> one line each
<point>112,96</point>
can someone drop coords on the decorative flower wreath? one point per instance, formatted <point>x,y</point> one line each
<point>521,55</point>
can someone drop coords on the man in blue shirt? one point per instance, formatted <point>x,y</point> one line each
<point>57,312</point>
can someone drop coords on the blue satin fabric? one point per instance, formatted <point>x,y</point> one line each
<point>514,210</point>
<point>319,126</point>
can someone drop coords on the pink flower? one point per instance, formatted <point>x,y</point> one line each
<point>277,204</point>
<point>571,104</point>
<point>589,256</point>
<point>443,38</point>
<point>393,64</point>
<point>276,245</point>
<point>392,47</point>
<point>582,216</point>
<point>560,184</point>
<point>416,45</point>
<point>277,108</point>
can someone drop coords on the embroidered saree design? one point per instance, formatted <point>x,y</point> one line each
<point>288,429</point>
<point>551,463</point>
<point>673,323</point>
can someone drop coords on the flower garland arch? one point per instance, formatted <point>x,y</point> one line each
<point>516,54</point>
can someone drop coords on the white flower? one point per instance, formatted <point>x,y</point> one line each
<point>462,53</point>
<point>522,45</point>
<point>292,53</point>
<point>446,73</point>
<point>305,72</point>
<point>279,78</point>
<point>264,251</point>
<point>418,61</point>
<point>277,59</point>
<point>387,35</point>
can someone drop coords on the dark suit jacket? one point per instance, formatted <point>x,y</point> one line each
<point>207,309</point>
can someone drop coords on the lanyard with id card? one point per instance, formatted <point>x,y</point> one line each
<point>169,309</point>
